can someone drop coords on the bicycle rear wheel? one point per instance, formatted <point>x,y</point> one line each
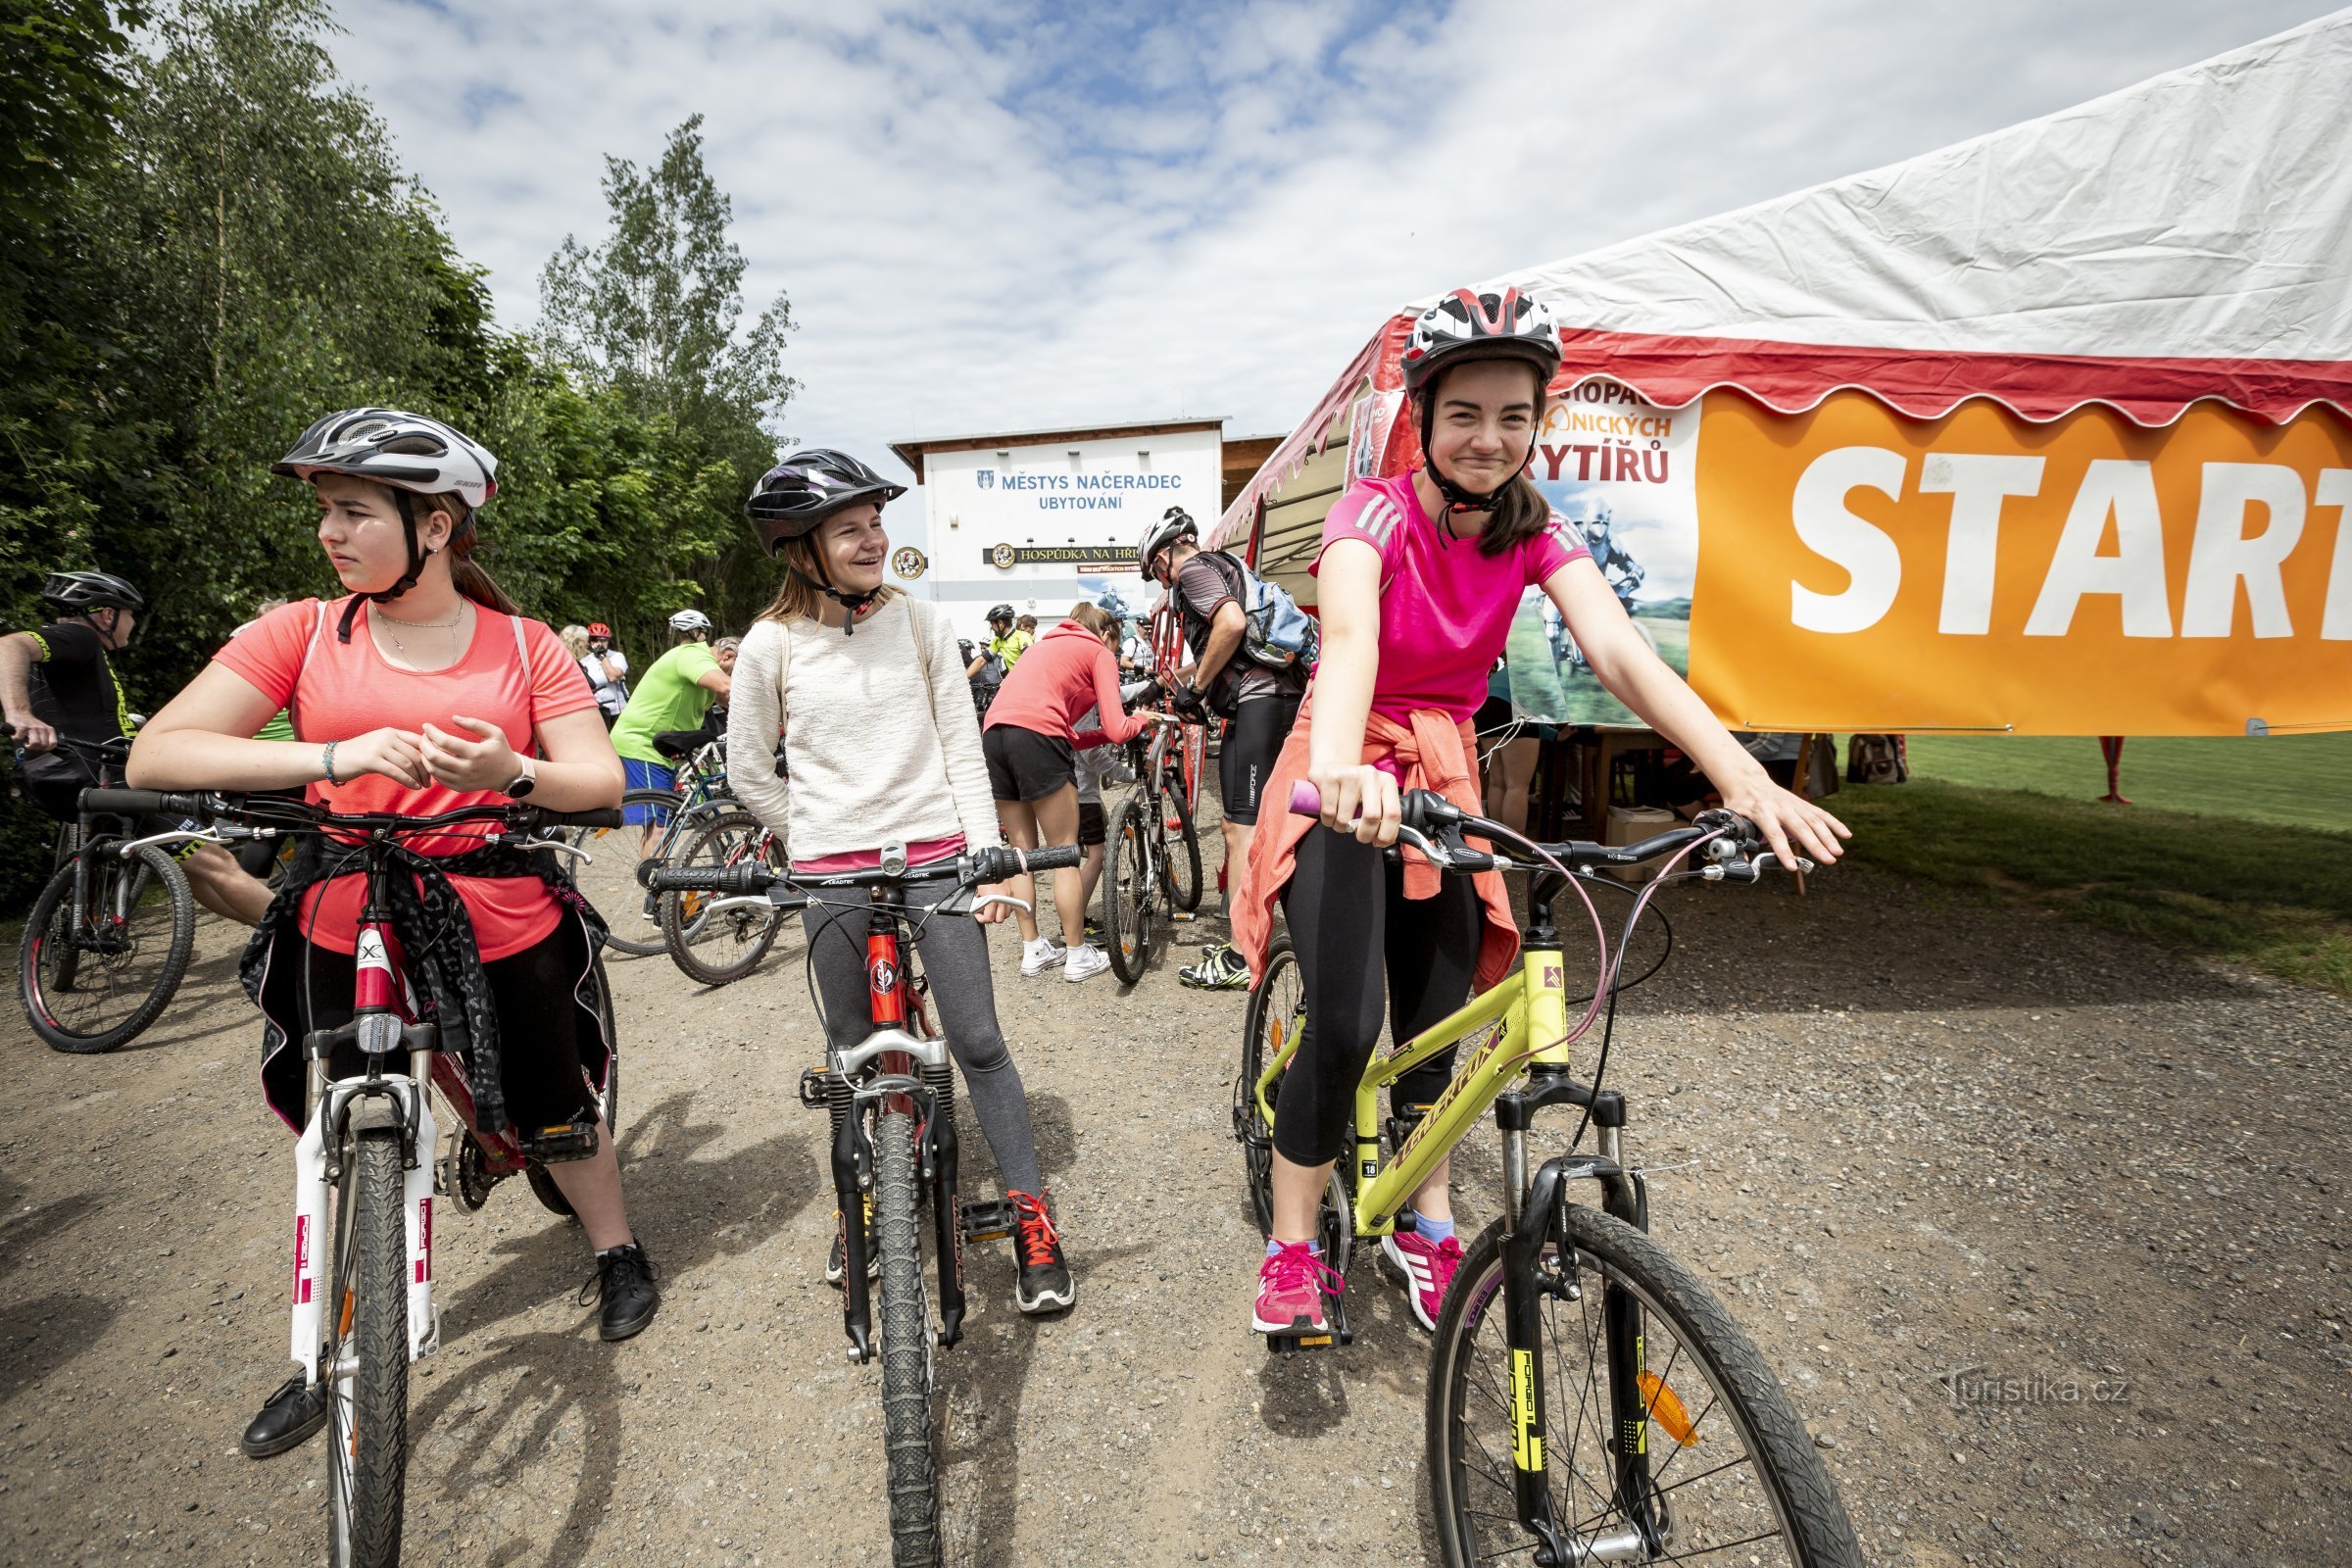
<point>95,987</point>
<point>608,878</point>
<point>1180,849</point>
<point>1722,1462</point>
<point>1128,891</point>
<point>907,1430</point>
<point>368,1358</point>
<point>723,947</point>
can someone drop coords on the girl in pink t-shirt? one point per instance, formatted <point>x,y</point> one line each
<point>421,692</point>
<point>1418,578</point>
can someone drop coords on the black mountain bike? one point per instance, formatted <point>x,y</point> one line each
<point>1154,858</point>
<point>892,1101</point>
<point>110,936</point>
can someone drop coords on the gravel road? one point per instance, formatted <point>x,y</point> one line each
<point>2045,1229</point>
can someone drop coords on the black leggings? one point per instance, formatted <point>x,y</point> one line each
<point>1346,903</point>
<point>1245,760</point>
<point>538,1027</point>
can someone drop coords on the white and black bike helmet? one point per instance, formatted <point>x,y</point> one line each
<point>77,593</point>
<point>1174,523</point>
<point>1465,327</point>
<point>689,620</point>
<point>411,452</point>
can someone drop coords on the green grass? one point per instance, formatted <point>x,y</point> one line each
<point>2294,780</point>
<point>2273,896</point>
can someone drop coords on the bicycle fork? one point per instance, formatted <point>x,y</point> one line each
<point>1538,1224</point>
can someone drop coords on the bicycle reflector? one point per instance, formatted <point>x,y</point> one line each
<point>1667,1409</point>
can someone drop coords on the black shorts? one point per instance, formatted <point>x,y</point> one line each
<point>1246,759</point>
<point>1026,766</point>
<point>1091,828</point>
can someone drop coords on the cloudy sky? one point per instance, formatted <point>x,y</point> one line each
<point>993,215</point>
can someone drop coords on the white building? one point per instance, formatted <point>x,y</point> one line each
<point>1042,518</point>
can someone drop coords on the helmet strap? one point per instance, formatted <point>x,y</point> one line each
<point>853,605</point>
<point>408,580</point>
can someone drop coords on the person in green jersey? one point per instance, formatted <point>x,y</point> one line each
<point>675,692</point>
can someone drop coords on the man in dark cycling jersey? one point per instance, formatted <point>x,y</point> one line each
<point>1261,703</point>
<point>58,686</point>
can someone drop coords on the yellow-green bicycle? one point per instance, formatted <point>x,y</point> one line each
<point>1590,1401</point>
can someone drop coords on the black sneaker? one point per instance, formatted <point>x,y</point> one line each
<point>1044,1284</point>
<point>288,1419</point>
<point>837,1258</point>
<point>623,1283</point>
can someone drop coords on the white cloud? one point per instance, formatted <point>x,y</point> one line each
<point>1009,215</point>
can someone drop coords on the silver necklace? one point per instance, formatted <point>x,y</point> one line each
<point>422,625</point>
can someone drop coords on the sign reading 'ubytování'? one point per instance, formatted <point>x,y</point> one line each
<point>1099,557</point>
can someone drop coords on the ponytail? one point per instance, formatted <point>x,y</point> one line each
<point>464,573</point>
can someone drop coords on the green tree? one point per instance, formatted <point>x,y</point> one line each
<point>654,315</point>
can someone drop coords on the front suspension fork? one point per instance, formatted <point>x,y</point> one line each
<point>946,1215</point>
<point>853,1157</point>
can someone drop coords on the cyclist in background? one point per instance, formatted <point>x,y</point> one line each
<point>1419,577</point>
<point>675,693</point>
<point>885,751</point>
<point>1261,703</point>
<point>1006,640</point>
<point>421,691</point>
<point>56,683</point>
<point>607,671</point>
<point>1031,741</point>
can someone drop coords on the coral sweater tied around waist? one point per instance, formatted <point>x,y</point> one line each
<point>1430,752</point>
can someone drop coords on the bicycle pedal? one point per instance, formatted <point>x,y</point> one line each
<point>1335,1331</point>
<point>553,1146</point>
<point>989,1221</point>
<point>815,1087</point>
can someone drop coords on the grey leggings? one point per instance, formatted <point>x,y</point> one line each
<point>955,951</point>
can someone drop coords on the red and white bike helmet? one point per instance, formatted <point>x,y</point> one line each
<point>1463,326</point>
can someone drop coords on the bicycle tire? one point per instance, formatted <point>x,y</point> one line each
<point>1127,892</point>
<point>368,1426</point>
<point>718,950</point>
<point>608,879</point>
<point>1791,1486</point>
<point>907,1427</point>
<point>50,998</point>
<point>543,1186</point>
<point>1184,855</point>
<point>1269,1010</point>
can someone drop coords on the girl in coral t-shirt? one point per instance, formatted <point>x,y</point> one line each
<point>1417,581</point>
<point>422,690</point>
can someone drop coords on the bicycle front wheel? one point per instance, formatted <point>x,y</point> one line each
<point>1180,850</point>
<point>717,948</point>
<point>1277,1013</point>
<point>907,1432</point>
<point>368,1358</point>
<point>607,877</point>
<point>1128,889</point>
<point>94,985</point>
<point>1721,1469</point>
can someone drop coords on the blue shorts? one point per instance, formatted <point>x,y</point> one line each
<point>638,775</point>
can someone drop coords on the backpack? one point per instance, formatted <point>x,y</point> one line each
<point>1875,760</point>
<point>1276,633</point>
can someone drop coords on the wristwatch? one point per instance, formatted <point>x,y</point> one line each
<point>528,782</point>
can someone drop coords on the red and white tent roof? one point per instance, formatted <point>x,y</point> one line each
<point>2184,239</point>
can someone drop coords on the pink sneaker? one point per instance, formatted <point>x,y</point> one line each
<point>1428,1270</point>
<point>1291,1289</point>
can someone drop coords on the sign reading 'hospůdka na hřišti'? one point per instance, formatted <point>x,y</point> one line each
<point>1094,558</point>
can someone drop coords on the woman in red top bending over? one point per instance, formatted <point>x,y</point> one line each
<point>421,692</point>
<point>1031,742</point>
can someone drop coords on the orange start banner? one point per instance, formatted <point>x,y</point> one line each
<point>1860,570</point>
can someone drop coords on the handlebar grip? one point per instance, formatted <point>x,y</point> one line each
<point>1305,800</point>
<point>139,803</point>
<point>1732,825</point>
<point>730,881</point>
<point>1005,863</point>
<point>602,816</point>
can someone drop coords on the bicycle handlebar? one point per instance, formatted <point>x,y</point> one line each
<point>749,881</point>
<point>520,814</point>
<point>1424,811</point>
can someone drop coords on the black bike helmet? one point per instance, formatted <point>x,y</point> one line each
<point>1001,612</point>
<point>77,593</point>
<point>808,487</point>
